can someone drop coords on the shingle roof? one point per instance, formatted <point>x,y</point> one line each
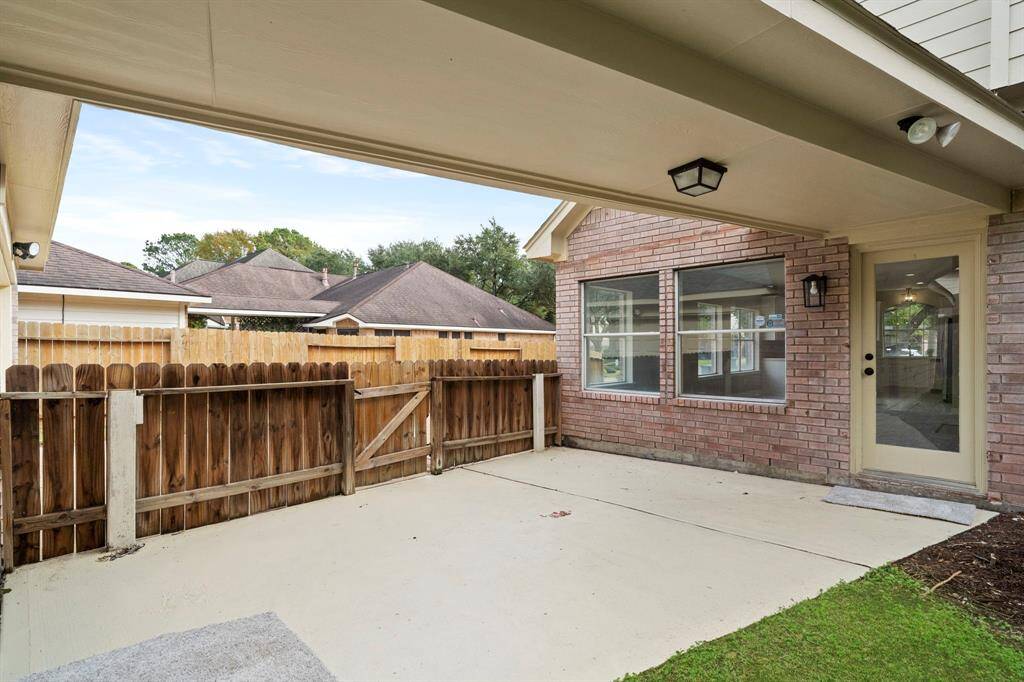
<point>420,294</point>
<point>193,269</point>
<point>77,269</point>
<point>269,258</point>
<point>242,286</point>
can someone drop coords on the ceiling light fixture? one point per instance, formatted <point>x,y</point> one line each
<point>697,177</point>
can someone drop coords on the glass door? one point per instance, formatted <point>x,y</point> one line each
<point>918,400</point>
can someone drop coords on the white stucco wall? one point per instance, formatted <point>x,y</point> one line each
<point>104,311</point>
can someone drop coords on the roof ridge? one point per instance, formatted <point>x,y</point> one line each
<point>136,271</point>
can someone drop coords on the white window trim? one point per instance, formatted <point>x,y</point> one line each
<point>584,335</point>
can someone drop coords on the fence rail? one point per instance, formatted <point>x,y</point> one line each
<point>42,343</point>
<point>217,442</point>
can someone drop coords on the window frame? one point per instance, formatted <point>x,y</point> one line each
<point>627,336</point>
<point>678,334</point>
<point>755,342</point>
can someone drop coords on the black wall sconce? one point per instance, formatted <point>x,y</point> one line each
<point>815,287</point>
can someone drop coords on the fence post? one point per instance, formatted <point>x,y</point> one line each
<point>124,413</point>
<point>558,410</point>
<point>6,472</point>
<point>437,426</point>
<point>538,412</point>
<point>348,448</point>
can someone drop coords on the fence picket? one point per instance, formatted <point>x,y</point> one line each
<point>197,462</point>
<point>25,459</point>
<point>90,442</point>
<point>58,458</point>
<point>172,474</point>
<point>148,441</point>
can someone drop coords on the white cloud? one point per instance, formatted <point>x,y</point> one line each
<point>118,229</point>
<point>220,153</point>
<point>94,147</point>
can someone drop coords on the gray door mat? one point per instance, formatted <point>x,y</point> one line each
<point>259,647</point>
<point>957,512</point>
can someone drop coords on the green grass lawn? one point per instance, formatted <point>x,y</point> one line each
<point>881,627</point>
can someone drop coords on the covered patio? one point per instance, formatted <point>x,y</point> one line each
<point>477,574</point>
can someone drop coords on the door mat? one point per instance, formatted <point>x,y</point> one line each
<point>957,512</point>
<point>260,647</point>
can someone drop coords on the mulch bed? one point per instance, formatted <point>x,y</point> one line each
<point>987,565</point>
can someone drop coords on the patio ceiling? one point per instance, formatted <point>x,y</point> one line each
<point>590,101</point>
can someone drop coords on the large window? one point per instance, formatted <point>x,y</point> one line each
<point>620,334</point>
<point>731,331</point>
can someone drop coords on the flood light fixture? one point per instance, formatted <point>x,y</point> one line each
<point>920,129</point>
<point>25,250</point>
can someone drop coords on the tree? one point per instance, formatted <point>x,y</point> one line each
<point>337,261</point>
<point>490,260</point>
<point>225,246</point>
<point>170,251</point>
<point>399,253</point>
<point>536,289</point>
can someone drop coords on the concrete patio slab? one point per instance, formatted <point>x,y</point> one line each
<point>468,576</point>
<point>772,510</point>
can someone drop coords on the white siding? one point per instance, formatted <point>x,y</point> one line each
<point>971,35</point>
<point>92,310</point>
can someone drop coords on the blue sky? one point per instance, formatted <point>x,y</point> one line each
<point>132,178</point>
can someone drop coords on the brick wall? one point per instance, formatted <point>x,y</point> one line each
<point>1005,359</point>
<point>806,438</point>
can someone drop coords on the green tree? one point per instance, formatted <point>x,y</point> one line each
<point>170,251</point>
<point>225,246</point>
<point>536,289</point>
<point>399,253</point>
<point>490,260</point>
<point>301,248</point>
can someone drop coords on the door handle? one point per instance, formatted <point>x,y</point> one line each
<point>869,371</point>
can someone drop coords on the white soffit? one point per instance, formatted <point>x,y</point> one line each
<point>36,133</point>
<point>588,102</point>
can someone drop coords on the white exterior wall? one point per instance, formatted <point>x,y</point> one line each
<point>982,38</point>
<point>95,310</point>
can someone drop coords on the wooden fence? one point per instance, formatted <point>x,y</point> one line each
<point>217,442</point>
<point>42,343</point>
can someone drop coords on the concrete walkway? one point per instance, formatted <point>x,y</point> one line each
<point>468,576</point>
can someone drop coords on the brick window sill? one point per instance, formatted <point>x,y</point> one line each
<point>645,399</point>
<point>730,405</point>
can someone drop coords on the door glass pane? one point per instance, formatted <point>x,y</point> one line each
<point>917,348</point>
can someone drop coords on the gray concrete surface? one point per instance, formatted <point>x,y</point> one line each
<point>259,647</point>
<point>469,576</point>
<point>944,510</point>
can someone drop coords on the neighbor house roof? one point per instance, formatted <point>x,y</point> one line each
<point>75,272</point>
<point>269,258</point>
<point>249,287</point>
<point>420,295</point>
<point>192,269</point>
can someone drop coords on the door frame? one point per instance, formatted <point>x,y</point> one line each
<point>974,334</point>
